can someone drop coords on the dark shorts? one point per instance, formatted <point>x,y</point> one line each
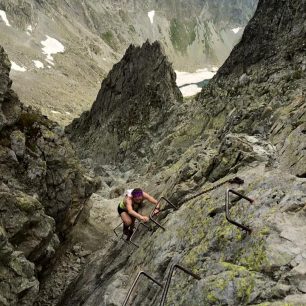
<point>120,210</point>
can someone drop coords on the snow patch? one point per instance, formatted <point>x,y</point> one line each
<point>236,30</point>
<point>151,15</point>
<point>55,112</point>
<point>38,64</point>
<point>190,90</point>
<point>49,61</point>
<point>68,113</point>
<point>183,77</point>
<point>4,18</point>
<point>29,30</point>
<point>51,46</point>
<point>190,80</point>
<point>17,67</point>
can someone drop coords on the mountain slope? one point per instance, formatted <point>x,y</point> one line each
<point>95,35</point>
<point>248,122</point>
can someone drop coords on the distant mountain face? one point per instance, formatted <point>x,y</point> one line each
<point>90,36</point>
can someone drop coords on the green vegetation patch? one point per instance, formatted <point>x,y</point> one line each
<point>182,34</point>
<point>27,120</point>
<point>28,204</point>
<point>132,28</point>
<point>109,38</point>
<point>235,277</point>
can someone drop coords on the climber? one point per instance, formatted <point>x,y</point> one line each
<point>129,206</point>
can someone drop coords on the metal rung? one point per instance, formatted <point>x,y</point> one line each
<point>227,213</point>
<point>134,232</point>
<point>125,240</point>
<point>164,287</point>
<point>152,215</point>
<point>167,285</point>
<point>135,283</point>
<point>116,228</point>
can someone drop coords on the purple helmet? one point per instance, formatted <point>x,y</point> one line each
<point>137,192</point>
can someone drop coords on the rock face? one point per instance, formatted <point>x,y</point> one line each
<point>264,92</point>
<point>42,190</point>
<point>248,122</point>
<point>266,44</point>
<point>131,109</point>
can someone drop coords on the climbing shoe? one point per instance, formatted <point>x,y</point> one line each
<point>127,232</point>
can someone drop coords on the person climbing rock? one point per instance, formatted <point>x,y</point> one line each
<point>129,206</point>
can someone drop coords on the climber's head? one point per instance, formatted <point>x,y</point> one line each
<point>137,195</point>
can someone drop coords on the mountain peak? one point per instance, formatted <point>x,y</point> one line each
<point>131,107</point>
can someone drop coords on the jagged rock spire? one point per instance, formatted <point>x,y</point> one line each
<point>131,108</point>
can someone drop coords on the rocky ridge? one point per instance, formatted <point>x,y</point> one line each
<point>143,85</point>
<point>248,122</point>
<point>43,189</point>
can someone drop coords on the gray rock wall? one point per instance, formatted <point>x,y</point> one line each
<point>42,190</point>
<point>249,122</point>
